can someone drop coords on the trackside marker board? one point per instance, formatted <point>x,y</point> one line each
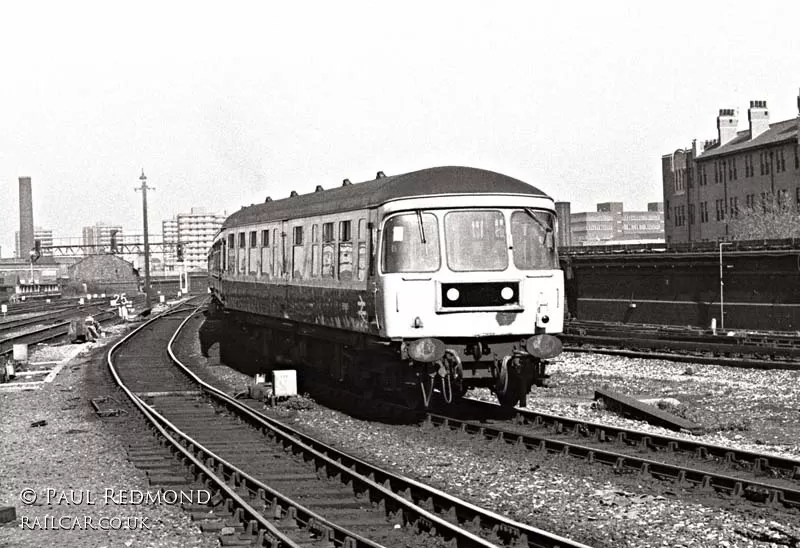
<point>284,383</point>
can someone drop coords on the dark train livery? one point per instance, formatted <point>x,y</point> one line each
<point>413,286</point>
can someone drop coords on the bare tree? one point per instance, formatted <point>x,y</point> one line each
<point>772,218</point>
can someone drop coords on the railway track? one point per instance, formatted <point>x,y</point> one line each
<point>53,331</point>
<point>14,323</point>
<point>759,478</point>
<point>275,486</point>
<point>742,349</point>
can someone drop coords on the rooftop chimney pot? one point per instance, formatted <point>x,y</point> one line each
<point>758,116</point>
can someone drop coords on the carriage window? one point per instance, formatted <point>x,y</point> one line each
<point>328,259</point>
<point>298,254</point>
<point>265,238</point>
<point>327,232</point>
<point>403,247</point>
<point>476,240</point>
<point>315,233</point>
<point>533,240</point>
<point>345,231</point>
<point>253,239</point>
<point>362,234</point>
<point>242,239</point>
<point>231,241</point>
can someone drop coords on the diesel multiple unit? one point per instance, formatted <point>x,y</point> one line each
<point>415,286</point>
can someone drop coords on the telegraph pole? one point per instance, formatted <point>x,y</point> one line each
<point>144,188</point>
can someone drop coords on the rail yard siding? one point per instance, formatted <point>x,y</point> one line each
<point>760,291</point>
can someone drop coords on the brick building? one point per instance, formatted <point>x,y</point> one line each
<point>712,182</point>
<point>102,274</point>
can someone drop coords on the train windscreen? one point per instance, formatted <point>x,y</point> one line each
<point>411,243</point>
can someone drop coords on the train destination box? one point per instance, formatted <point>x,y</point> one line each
<point>284,383</point>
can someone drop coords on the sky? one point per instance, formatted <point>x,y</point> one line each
<point>223,104</point>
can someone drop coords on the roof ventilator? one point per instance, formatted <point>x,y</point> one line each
<point>293,194</point>
<point>380,175</point>
<point>319,188</point>
<point>346,182</point>
<point>268,200</point>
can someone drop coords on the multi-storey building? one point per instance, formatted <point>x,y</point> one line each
<point>611,224</point>
<point>100,236</point>
<point>712,182</point>
<point>169,232</point>
<point>43,235</point>
<point>194,232</point>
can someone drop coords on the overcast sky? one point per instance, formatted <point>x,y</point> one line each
<point>223,104</point>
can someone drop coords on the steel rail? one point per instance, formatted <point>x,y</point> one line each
<point>270,427</point>
<point>621,462</point>
<point>267,532</point>
<point>47,333</point>
<point>747,363</point>
<point>412,490</point>
<point>760,462</point>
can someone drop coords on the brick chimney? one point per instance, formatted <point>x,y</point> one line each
<point>25,218</point>
<point>758,116</point>
<point>727,125</point>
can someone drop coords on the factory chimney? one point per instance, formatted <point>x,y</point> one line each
<point>25,218</point>
<point>758,115</point>
<point>727,124</point>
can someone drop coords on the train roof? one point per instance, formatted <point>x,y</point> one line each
<point>436,181</point>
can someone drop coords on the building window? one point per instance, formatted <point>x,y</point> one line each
<point>705,176</point>
<point>734,208</point>
<point>666,210</point>
<point>782,161</point>
<point>716,172</point>
<point>691,214</point>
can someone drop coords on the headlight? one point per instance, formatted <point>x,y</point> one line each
<point>543,346</point>
<point>425,350</point>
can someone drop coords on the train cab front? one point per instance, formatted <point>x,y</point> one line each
<point>474,298</point>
